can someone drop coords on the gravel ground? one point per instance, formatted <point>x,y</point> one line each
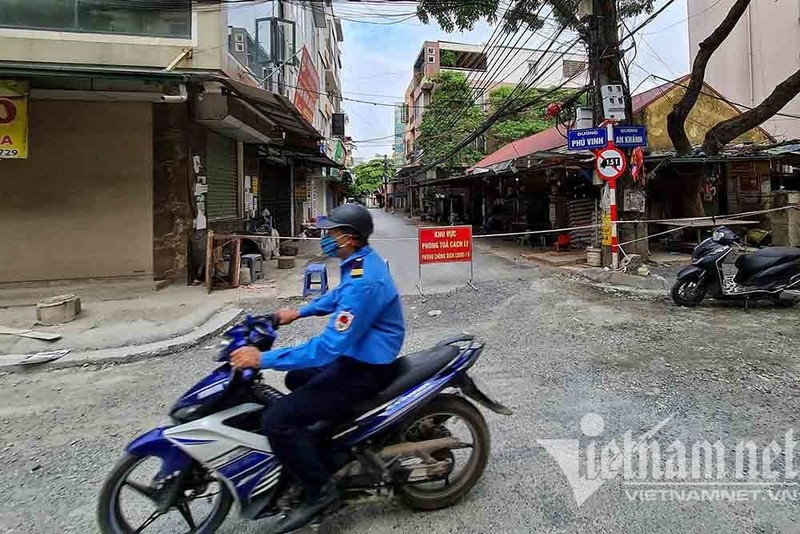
<point>555,351</point>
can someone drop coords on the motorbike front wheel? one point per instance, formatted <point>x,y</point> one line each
<point>199,507</point>
<point>688,293</point>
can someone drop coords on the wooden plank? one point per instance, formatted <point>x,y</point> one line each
<point>209,259</point>
<point>24,332</point>
<point>236,262</point>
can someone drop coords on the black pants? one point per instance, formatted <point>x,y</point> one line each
<point>320,394</point>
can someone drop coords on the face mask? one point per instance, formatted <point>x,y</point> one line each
<point>329,245</point>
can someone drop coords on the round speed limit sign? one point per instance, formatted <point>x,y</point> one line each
<point>610,163</point>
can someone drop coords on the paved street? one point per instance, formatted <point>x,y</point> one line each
<point>555,351</point>
<point>395,238</point>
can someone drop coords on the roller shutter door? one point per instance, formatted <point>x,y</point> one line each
<point>222,199</point>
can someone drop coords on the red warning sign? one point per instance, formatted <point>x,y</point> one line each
<point>445,244</point>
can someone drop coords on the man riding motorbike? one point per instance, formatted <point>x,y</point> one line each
<point>350,362</point>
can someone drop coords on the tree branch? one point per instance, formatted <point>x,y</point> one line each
<point>676,120</point>
<point>726,131</point>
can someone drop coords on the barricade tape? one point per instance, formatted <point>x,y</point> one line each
<point>558,230</point>
<point>711,217</point>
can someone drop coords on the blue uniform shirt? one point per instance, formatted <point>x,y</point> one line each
<point>367,322</point>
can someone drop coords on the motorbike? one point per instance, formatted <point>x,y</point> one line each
<point>422,440</point>
<point>764,274</point>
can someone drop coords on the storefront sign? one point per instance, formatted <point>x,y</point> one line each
<point>307,93</point>
<point>338,157</point>
<point>13,120</point>
<point>445,244</point>
<point>587,139</point>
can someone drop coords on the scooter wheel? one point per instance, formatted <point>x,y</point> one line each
<point>688,293</point>
<point>125,502</point>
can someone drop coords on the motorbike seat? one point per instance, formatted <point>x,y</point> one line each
<point>412,369</point>
<point>766,257</point>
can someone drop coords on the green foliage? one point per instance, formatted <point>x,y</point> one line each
<point>451,99</point>
<point>462,16</point>
<point>367,178</point>
<point>526,122</point>
<point>453,16</point>
<point>447,58</point>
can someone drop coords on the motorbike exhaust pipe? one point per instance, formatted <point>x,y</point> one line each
<point>420,448</point>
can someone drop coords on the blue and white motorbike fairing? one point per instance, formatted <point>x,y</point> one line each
<point>400,442</point>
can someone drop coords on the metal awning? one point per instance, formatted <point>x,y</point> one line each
<point>277,108</point>
<point>235,118</point>
<point>309,156</point>
<point>66,70</point>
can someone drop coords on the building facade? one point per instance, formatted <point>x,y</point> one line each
<point>486,68</point>
<point>398,146</point>
<point>146,126</point>
<point>760,52</point>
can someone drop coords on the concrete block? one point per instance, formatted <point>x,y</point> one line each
<point>57,310</point>
<point>286,262</point>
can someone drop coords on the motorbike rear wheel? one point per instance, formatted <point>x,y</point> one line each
<point>428,423</point>
<point>112,518</point>
<point>688,293</point>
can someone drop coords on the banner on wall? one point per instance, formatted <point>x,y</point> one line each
<point>13,120</point>
<point>307,93</point>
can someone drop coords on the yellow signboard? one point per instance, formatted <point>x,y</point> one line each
<point>606,230</point>
<point>13,120</point>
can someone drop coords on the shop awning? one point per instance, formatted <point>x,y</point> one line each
<point>235,118</point>
<point>311,157</point>
<point>66,70</point>
<point>277,108</point>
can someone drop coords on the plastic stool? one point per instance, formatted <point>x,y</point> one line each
<point>309,280</point>
<point>254,262</point>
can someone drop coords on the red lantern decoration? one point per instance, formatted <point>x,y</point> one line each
<point>553,109</point>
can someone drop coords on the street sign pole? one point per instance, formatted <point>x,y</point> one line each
<point>612,195</point>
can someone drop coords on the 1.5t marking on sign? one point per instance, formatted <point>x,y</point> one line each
<point>610,163</point>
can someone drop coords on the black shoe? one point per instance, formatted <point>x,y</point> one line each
<point>305,513</point>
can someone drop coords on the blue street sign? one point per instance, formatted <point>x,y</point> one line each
<point>630,136</point>
<point>587,139</point>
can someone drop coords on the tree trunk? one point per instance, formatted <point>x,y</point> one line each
<point>676,120</point>
<point>726,131</point>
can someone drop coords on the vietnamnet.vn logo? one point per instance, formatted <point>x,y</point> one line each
<point>677,471</point>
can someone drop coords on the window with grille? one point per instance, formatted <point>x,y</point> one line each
<point>573,68</point>
<point>240,47</point>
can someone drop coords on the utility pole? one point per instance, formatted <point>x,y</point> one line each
<point>604,69</point>
<point>385,183</point>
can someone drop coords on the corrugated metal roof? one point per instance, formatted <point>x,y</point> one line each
<point>552,139</point>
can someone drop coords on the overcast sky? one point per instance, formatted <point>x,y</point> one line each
<point>377,61</point>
